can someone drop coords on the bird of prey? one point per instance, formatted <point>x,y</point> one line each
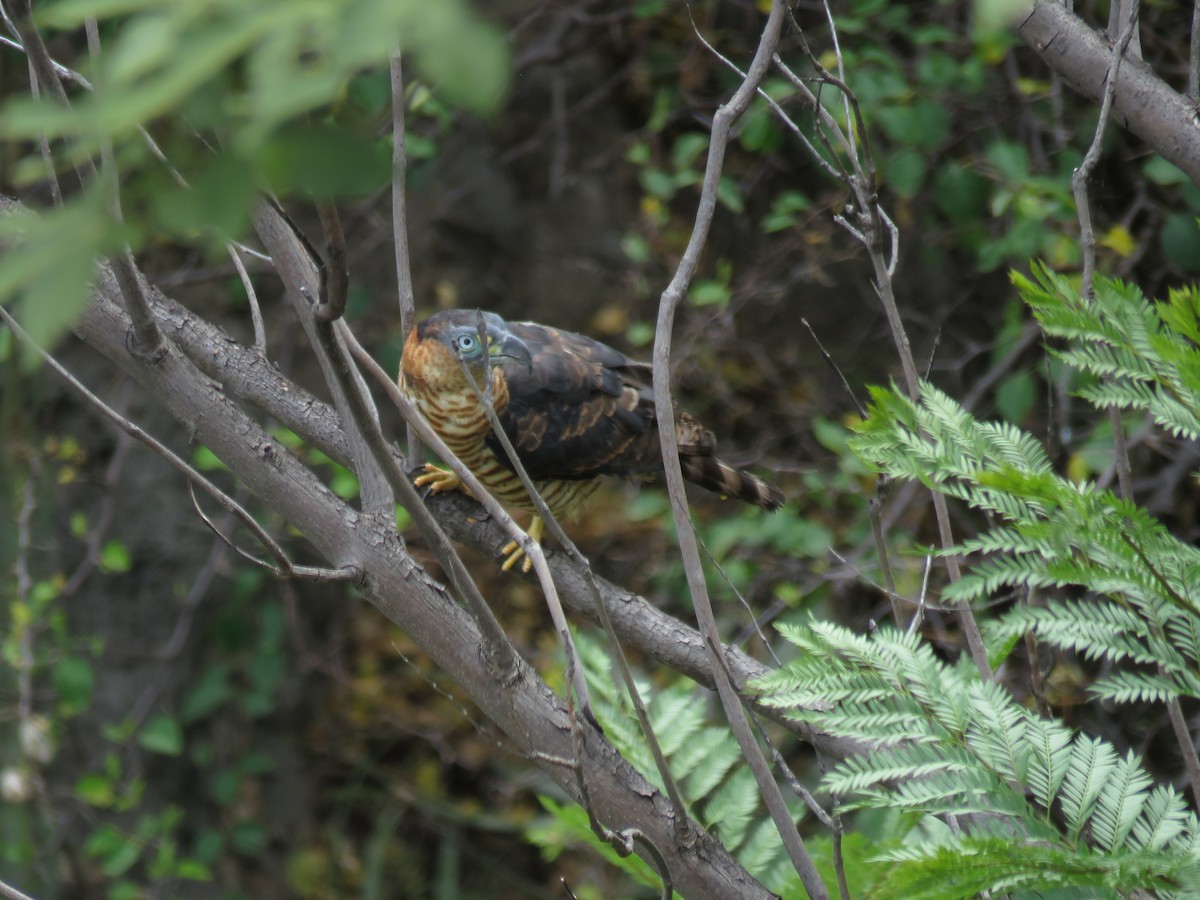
<point>573,408</point>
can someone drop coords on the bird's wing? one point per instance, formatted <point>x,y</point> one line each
<point>580,410</point>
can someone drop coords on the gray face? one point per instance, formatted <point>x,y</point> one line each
<point>460,333</point>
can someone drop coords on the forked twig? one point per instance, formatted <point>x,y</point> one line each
<point>665,411</point>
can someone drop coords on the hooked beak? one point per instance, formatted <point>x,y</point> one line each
<point>502,345</point>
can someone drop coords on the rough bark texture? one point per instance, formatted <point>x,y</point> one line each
<point>1143,103</point>
<point>534,719</point>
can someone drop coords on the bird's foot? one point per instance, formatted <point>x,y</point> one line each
<point>439,480</point>
<point>513,551</point>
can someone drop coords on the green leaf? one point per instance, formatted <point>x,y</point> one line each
<point>636,248</point>
<point>960,193</point>
<point>208,693</point>
<point>783,211</point>
<point>53,285</point>
<point>1181,241</point>
<point>117,851</point>
<point>217,202</point>
<point>707,292</point>
<point>657,183</point>
<point>114,557</point>
<point>162,734</point>
<point>95,790</point>
<point>1010,160</point>
<point>325,162</point>
<point>924,124</point>
<point>729,194</point>
<point>205,460</point>
<point>1161,172</point>
<point>73,680</point>
<point>192,870</point>
<point>1015,396</point>
<point>905,172</point>
<point>687,148</point>
<point>248,838</point>
<point>465,57</point>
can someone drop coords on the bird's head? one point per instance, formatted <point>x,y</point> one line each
<point>459,331</point>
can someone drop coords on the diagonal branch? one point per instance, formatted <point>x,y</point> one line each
<point>1142,102</point>
<point>665,410</point>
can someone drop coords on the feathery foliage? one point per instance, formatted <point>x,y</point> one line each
<point>1024,802</point>
<point>1036,806</point>
<point>705,760</point>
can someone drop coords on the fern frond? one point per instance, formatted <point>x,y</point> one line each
<point>1093,761</point>
<point>969,866</point>
<point>1135,687</point>
<point>1050,759</point>
<point>711,765</point>
<point>731,806</point>
<point>1098,629</point>
<point>997,733</point>
<point>676,715</point>
<point>1120,803</point>
<point>1165,817</point>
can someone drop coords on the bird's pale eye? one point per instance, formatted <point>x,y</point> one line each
<point>465,343</point>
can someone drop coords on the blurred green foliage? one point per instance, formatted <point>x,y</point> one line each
<point>241,98</point>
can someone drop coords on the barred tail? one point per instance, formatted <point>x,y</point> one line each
<point>711,473</point>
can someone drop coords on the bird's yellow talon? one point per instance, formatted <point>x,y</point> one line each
<point>513,551</point>
<point>438,480</point>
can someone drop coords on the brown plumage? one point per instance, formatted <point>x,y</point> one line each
<point>574,409</point>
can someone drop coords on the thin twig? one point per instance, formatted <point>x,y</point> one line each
<point>532,549</point>
<point>331,338</point>
<point>148,339</point>
<point>862,410</point>
<point>11,893</point>
<point>98,530</point>
<point>1081,176</point>
<point>1193,75</point>
<point>665,412</point>
<point>25,658</point>
<point>550,520</point>
<point>260,332</point>
<point>404,284</point>
<point>282,567</point>
<point>874,508</point>
<point>499,649</point>
<point>335,276</point>
<point>867,221</point>
<point>149,440</point>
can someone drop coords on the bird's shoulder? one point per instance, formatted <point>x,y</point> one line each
<point>579,407</point>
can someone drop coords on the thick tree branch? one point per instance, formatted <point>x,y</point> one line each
<point>1142,102</point>
<point>524,708</point>
<point>247,377</point>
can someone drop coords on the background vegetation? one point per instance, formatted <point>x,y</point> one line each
<point>175,721</point>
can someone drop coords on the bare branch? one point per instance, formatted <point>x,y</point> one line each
<point>404,284</point>
<point>177,462</point>
<point>1193,76</point>
<point>335,277</point>
<point>665,411</point>
<point>523,707</point>
<point>1142,102</point>
<point>260,332</point>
